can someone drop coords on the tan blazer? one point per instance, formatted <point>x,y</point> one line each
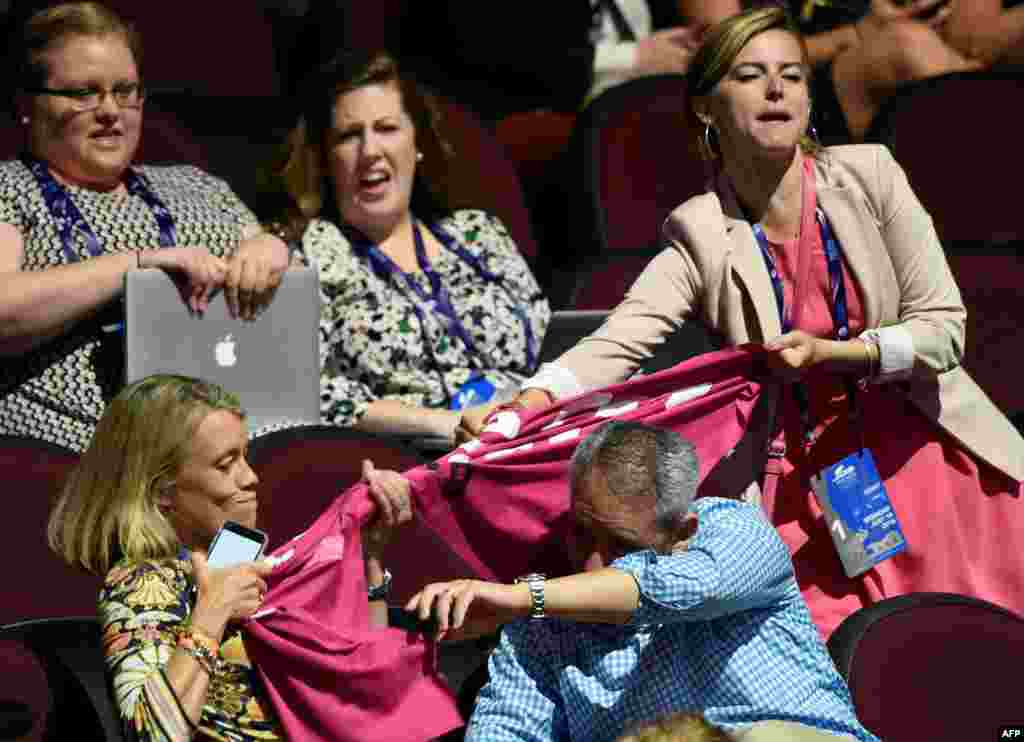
<point>712,269</point>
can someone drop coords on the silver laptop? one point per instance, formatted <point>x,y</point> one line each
<point>271,363</point>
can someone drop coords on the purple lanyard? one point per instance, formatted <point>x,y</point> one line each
<point>840,314</point>
<point>70,221</point>
<point>438,300</point>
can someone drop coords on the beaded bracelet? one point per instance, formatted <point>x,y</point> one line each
<point>202,648</point>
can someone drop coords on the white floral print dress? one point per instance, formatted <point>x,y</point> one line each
<point>372,343</point>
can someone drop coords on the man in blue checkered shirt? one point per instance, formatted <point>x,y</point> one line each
<point>680,605</point>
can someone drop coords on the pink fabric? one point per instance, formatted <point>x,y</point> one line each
<point>507,515</point>
<point>328,674</point>
<point>963,522</point>
<point>492,509</point>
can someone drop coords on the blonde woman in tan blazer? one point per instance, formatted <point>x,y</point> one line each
<point>951,462</point>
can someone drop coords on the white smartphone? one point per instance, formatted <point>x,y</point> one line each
<point>235,544</point>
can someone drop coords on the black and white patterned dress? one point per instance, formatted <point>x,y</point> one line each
<point>372,345</point>
<point>57,392</point>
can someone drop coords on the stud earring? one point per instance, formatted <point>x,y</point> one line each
<point>24,120</point>
<point>812,134</point>
<point>419,157</point>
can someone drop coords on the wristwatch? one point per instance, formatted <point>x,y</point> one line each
<point>535,581</point>
<point>381,591</point>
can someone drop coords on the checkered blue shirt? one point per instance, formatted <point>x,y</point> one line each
<point>721,628</point>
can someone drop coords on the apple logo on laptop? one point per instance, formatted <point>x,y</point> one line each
<point>224,351</point>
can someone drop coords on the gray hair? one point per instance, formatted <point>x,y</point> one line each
<point>641,460</point>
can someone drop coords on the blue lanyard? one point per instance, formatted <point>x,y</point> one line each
<point>836,282</point>
<point>840,314</point>
<point>70,221</point>
<point>438,300</point>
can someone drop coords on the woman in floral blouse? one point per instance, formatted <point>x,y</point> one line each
<point>165,468</point>
<point>425,311</point>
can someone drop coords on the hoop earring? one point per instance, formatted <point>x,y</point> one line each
<point>707,140</point>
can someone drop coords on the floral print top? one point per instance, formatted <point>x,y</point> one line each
<point>143,607</point>
<point>373,345</point>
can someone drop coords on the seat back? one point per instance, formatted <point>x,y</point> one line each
<point>302,470</point>
<point>373,25</point>
<point>958,143</point>
<point>225,48</point>
<point>69,651</point>
<point>638,161</point>
<point>932,666</point>
<point>534,141</point>
<point>482,176</point>
<point>165,140</point>
<point>33,472</point>
<point>606,279</point>
<point>990,277</point>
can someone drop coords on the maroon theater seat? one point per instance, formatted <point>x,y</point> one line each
<point>166,140</point>
<point>36,583</point>
<point>991,280</point>
<point>302,470</point>
<point>535,140</point>
<point>223,48</point>
<point>482,176</point>
<point>958,138</point>
<point>932,666</point>
<point>639,160</point>
<point>69,651</point>
<point>372,25</point>
<point>632,159</point>
<point>603,283</point>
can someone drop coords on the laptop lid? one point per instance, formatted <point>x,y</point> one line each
<point>271,363</point>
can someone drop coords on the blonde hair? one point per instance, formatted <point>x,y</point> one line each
<point>108,507</point>
<point>716,55</point>
<point>50,26</point>
<point>685,726</point>
<point>298,180</point>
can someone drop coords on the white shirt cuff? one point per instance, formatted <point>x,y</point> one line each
<point>613,64</point>
<point>895,351</point>
<point>558,380</point>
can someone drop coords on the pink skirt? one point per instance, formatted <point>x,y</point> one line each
<point>962,519</point>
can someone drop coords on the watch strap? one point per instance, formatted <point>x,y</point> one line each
<point>381,591</point>
<point>535,582</point>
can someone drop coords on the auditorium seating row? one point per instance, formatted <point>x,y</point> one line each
<point>924,666</point>
<point>599,184</point>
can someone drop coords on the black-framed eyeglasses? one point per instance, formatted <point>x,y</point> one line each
<point>125,94</point>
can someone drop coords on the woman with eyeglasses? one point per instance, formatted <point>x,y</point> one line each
<point>75,216</point>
